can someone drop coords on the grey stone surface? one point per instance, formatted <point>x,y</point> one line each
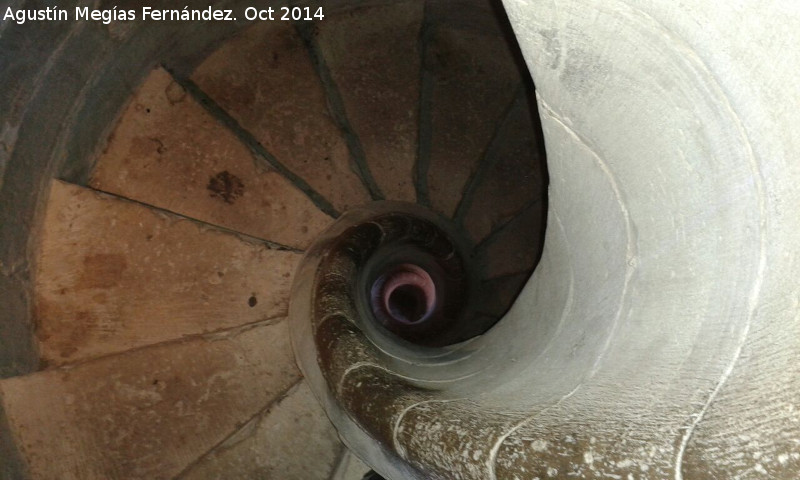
<point>150,412</point>
<point>292,439</point>
<point>350,467</point>
<point>12,465</point>
<point>659,336</point>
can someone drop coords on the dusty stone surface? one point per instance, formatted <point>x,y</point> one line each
<point>149,413</point>
<point>114,275</point>
<point>341,345</point>
<point>265,79</point>
<point>373,56</point>
<point>169,152</point>
<point>475,78</point>
<point>517,246</point>
<point>516,176</point>
<point>378,400</point>
<point>350,467</point>
<point>292,439</point>
<point>452,439</point>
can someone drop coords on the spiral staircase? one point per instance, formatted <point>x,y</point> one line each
<point>276,250</point>
<point>161,283</point>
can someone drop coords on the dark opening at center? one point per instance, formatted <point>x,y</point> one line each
<point>404,295</point>
<point>407,303</point>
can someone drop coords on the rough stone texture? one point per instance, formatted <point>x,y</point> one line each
<point>17,342</point>
<point>265,79</point>
<point>761,439</point>
<point>517,246</point>
<point>378,399</point>
<point>169,152</point>
<point>452,439</point>
<point>63,83</point>
<point>340,345</point>
<point>114,275</point>
<point>574,445</point>
<point>25,163</point>
<point>350,468</point>
<point>12,465</point>
<point>373,55</point>
<point>515,173</point>
<point>292,439</point>
<point>475,78</point>
<point>148,413</point>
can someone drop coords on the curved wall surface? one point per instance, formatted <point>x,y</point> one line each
<point>670,125</point>
<point>659,336</point>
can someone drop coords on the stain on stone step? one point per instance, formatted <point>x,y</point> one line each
<point>102,270</point>
<point>226,186</point>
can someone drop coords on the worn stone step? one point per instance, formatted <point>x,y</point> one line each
<point>265,79</point>
<point>515,246</point>
<point>512,176</point>
<point>474,77</point>
<point>148,413</point>
<point>291,439</point>
<point>168,151</point>
<point>112,275</point>
<point>373,56</point>
<point>350,467</point>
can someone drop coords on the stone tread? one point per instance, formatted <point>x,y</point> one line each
<point>265,79</point>
<point>113,275</point>
<point>169,152</point>
<point>516,246</point>
<point>292,439</point>
<point>515,175</point>
<point>474,80</point>
<point>350,467</point>
<point>148,413</point>
<point>373,56</point>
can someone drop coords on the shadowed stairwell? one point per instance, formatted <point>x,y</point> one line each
<point>276,251</point>
<point>161,282</point>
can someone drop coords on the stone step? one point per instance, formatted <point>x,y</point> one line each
<point>373,56</point>
<point>148,413</point>
<point>168,151</point>
<point>292,439</point>
<point>512,175</point>
<point>113,275</point>
<point>472,86</point>
<point>350,467</point>
<point>265,79</point>
<point>516,246</point>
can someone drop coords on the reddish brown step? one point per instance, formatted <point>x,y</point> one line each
<point>148,413</point>
<point>264,78</point>
<point>168,151</point>
<point>113,275</point>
